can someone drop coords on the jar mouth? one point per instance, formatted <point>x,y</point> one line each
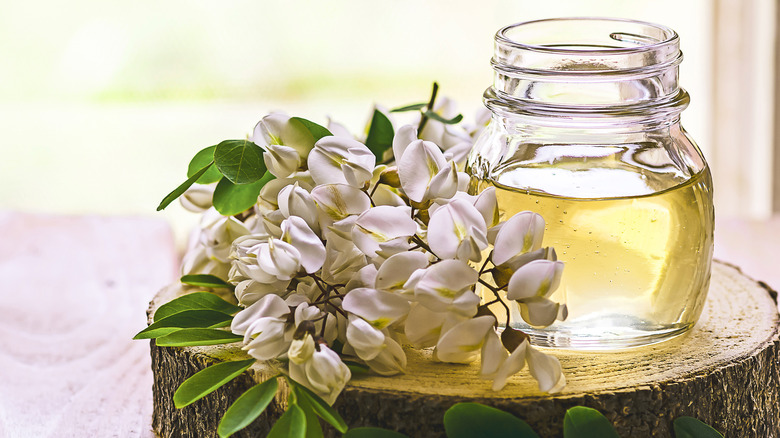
<point>574,35</point>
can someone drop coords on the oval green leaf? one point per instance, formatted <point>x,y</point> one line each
<point>316,131</point>
<point>202,158</point>
<point>375,432</point>
<point>246,408</point>
<point>230,199</point>
<point>320,406</point>
<point>186,319</point>
<point>207,380</point>
<point>188,337</point>
<point>689,427</point>
<point>292,424</point>
<point>412,107</point>
<point>240,161</point>
<point>313,426</point>
<point>380,134</point>
<point>205,280</point>
<point>582,422</point>
<point>195,301</point>
<point>467,420</point>
<point>178,191</point>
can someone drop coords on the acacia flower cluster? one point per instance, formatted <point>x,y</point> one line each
<point>350,255</point>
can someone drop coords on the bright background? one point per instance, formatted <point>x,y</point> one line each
<point>102,104</point>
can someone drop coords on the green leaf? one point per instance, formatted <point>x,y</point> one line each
<point>205,280</point>
<point>195,301</point>
<point>202,158</point>
<point>582,422</point>
<point>178,191</point>
<point>466,420</point>
<point>246,408</point>
<point>207,380</point>
<point>292,424</point>
<point>320,406</point>
<point>186,319</point>
<point>380,134</point>
<point>356,368</point>
<point>316,131</point>
<point>412,107</point>
<point>689,427</point>
<point>230,199</point>
<point>438,118</point>
<point>376,432</point>
<point>313,426</point>
<point>188,337</point>
<point>241,161</point>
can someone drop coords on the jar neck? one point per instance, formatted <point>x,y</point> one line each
<point>587,68</point>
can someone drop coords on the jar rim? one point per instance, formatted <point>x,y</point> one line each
<point>643,43</point>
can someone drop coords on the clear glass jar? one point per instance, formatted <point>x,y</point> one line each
<point>586,131</point>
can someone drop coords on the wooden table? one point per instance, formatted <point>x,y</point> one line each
<point>75,290</point>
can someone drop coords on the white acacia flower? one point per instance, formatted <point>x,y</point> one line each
<point>197,198</point>
<point>286,143</point>
<point>296,201</point>
<point>380,352</point>
<point>297,233</point>
<point>425,173</point>
<point>531,285</point>
<point>462,343</point>
<point>339,160</point>
<point>263,325</point>
<point>336,202</point>
<point>383,225</point>
<point>197,261</point>
<point>379,308</point>
<point>324,373</point>
<point>218,233</point>
<point>403,137</point>
<point>301,350</point>
<point>396,270</point>
<point>457,230</point>
<point>446,286</point>
<point>265,259</point>
<point>423,327</point>
<point>342,260</point>
<point>545,368</point>
<point>250,291</point>
<point>338,129</point>
<point>522,233</point>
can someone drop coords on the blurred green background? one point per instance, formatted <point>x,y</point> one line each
<point>102,104</point>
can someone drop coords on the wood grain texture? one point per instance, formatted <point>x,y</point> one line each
<point>74,290</point>
<point>724,372</point>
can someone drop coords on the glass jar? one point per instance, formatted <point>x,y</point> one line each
<point>585,131</point>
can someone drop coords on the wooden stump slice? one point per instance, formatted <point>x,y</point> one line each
<point>725,372</point>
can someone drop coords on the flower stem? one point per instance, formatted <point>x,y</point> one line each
<point>429,107</point>
<point>495,291</point>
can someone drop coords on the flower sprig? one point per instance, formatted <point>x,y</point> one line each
<point>352,248</point>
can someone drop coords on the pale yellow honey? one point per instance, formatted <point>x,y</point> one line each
<point>636,267</point>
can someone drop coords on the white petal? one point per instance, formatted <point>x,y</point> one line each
<point>367,340</point>
<point>461,343</point>
<point>378,308</point>
<point>338,129</point>
<point>270,343</point>
<point>514,363</point>
<point>391,360</point>
<point>397,269</point>
<point>365,277</point>
<point>296,232</point>
<point>281,161</point>
<point>337,201</point>
<point>546,369</point>
<point>453,223</point>
<point>538,278</point>
<point>523,232</point>
<point>301,349</point>
<point>326,373</point>
<point>197,198</point>
<point>466,304</point>
<point>445,183</point>
<point>268,306</point>
<point>423,326</point>
<point>333,156</point>
<point>493,355</point>
<point>539,311</point>
<point>443,282</point>
<point>279,258</point>
<point>403,137</point>
<point>421,161</point>
<point>295,201</point>
<point>487,205</point>
<point>250,291</point>
<point>382,224</point>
